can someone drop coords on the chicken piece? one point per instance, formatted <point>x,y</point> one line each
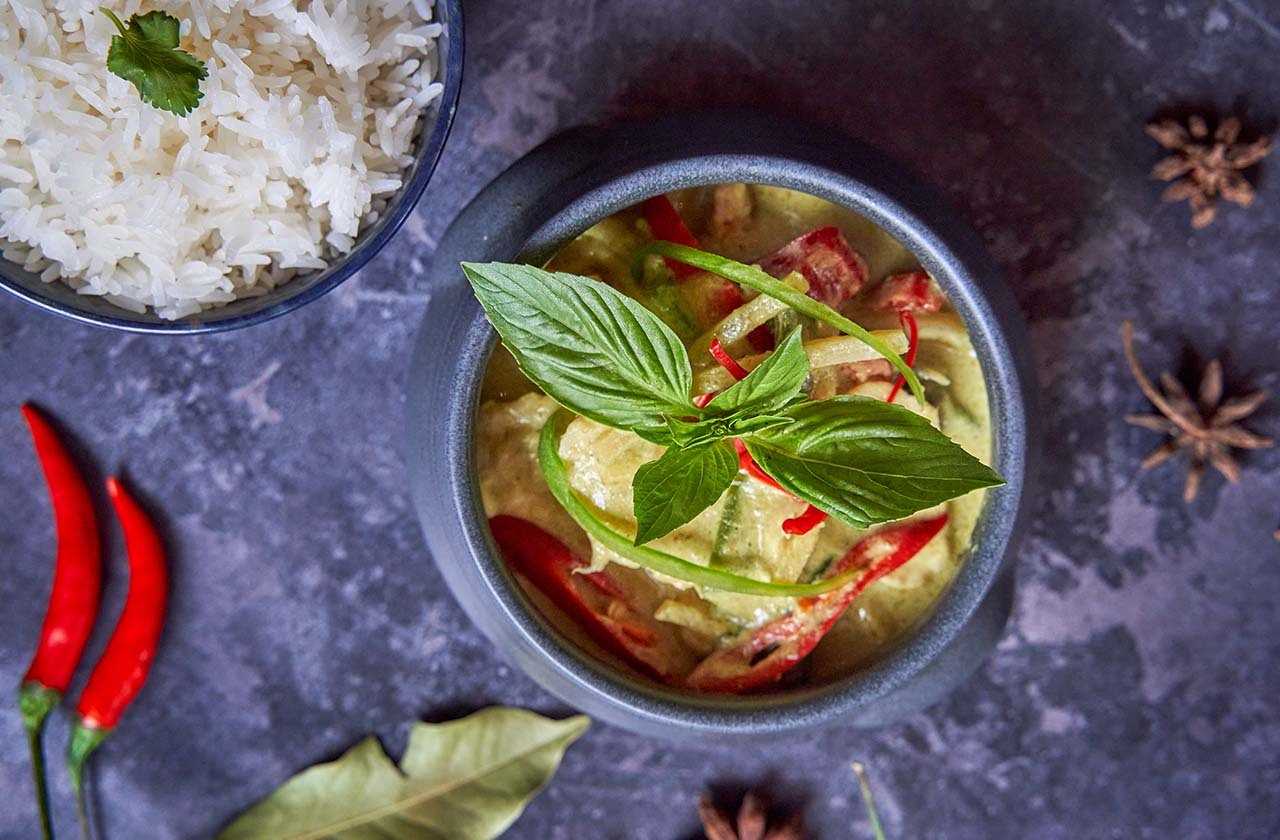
<point>731,207</point>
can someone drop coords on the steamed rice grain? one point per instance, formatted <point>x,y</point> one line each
<point>304,133</point>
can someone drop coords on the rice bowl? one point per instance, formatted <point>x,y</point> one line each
<point>304,135</point>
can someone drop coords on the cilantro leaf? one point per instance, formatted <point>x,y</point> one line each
<point>146,53</point>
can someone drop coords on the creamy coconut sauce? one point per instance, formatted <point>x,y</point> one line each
<point>742,531</point>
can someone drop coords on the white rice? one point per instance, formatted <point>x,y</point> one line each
<point>304,132</point>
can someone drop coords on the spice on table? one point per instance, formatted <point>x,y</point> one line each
<point>1206,427</point>
<point>751,822</point>
<point>120,672</point>
<point>73,600</point>
<point>1204,167</point>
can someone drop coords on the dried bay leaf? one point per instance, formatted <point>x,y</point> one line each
<point>467,779</point>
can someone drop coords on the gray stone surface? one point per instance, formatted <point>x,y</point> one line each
<point>1135,693</point>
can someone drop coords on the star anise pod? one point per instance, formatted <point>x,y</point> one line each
<point>1205,428</point>
<point>1204,167</point>
<point>752,822</point>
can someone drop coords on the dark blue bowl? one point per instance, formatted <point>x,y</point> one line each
<point>551,196</point>
<point>434,130</point>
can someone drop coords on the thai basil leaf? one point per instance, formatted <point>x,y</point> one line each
<point>680,485</point>
<point>464,780</point>
<point>591,348</point>
<point>739,426</point>
<point>866,461</point>
<point>772,385</point>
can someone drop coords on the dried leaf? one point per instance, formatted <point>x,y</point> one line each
<point>464,780</point>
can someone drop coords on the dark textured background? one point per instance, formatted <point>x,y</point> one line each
<point>1135,694</point>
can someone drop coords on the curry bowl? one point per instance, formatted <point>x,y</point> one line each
<point>536,212</point>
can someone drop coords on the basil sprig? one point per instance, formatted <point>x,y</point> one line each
<point>557,478</point>
<point>602,355</point>
<point>753,278</point>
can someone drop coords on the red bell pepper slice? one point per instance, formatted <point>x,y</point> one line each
<point>764,655</point>
<point>911,291</point>
<point>834,270</point>
<point>912,329</point>
<point>665,223</point>
<point>595,602</point>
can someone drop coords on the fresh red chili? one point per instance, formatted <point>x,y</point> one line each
<point>763,656</point>
<point>665,223</point>
<point>747,463</point>
<point>800,525</point>
<point>595,602</point>
<point>726,361</point>
<point>73,600</point>
<point>121,671</point>
<point>912,329</point>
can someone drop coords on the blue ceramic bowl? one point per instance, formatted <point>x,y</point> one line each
<point>551,196</point>
<point>434,130</point>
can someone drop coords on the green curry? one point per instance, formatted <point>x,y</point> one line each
<point>670,628</point>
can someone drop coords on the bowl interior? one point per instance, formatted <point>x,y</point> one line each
<point>433,130</point>
<point>958,264</point>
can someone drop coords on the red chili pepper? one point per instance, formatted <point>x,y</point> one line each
<point>912,330</point>
<point>120,672</point>
<point>726,361</point>
<point>834,270</point>
<point>769,652</point>
<point>595,602</point>
<point>73,600</point>
<point>747,463</point>
<point>762,339</point>
<point>665,223</point>
<point>805,522</point>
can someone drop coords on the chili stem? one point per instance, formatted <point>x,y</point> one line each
<point>37,776</point>
<point>35,702</point>
<point>82,812</point>
<point>754,278</point>
<point>557,478</point>
<point>869,801</point>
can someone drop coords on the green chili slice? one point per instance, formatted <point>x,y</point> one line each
<point>754,278</point>
<point>557,478</point>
